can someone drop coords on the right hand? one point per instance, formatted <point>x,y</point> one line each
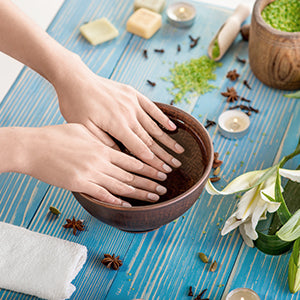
<point>71,157</point>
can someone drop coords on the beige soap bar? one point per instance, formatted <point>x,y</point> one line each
<point>99,31</point>
<point>154,5</point>
<point>144,23</point>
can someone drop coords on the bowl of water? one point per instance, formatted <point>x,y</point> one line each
<point>184,184</point>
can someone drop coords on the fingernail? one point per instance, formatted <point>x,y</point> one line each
<point>179,148</point>
<point>172,124</point>
<point>153,197</point>
<point>126,204</point>
<point>161,175</point>
<point>167,168</point>
<point>161,189</point>
<point>176,162</point>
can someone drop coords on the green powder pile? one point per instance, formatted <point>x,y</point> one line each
<point>192,76</point>
<point>215,49</point>
<point>283,15</point>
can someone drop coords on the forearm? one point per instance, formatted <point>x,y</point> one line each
<point>12,154</point>
<point>25,41</point>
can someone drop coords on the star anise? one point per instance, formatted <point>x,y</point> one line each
<point>76,225</point>
<point>233,75</point>
<point>112,261</point>
<point>231,94</point>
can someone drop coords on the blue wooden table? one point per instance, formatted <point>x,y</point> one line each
<point>161,264</point>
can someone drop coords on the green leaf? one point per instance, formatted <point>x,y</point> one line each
<point>271,244</point>
<point>290,231</point>
<point>293,95</point>
<point>282,212</point>
<point>294,268</point>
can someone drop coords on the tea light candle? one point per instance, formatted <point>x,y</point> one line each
<point>233,124</point>
<point>242,294</point>
<point>181,14</point>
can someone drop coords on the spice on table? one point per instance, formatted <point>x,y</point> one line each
<point>241,60</point>
<point>231,94</point>
<point>151,83</point>
<point>245,32</point>
<point>216,162</point>
<point>203,257</point>
<point>217,171</point>
<point>111,261</point>
<point>54,210</point>
<point>76,225</point>
<point>254,109</point>
<point>233,75</point>
<point>244,99</point>
<point>192,76</point>
<point>283,15</point>
<point>145,53</point>
<point>214,179</point>
<point>210,123</point>
<point>245,82</point>
<point>213,266</point>
<point>159,50</point>
<point>234,107</point>
<point>194,43</point>
<point>248,113</point>
<point>199,297</point>
<point>172,102</point>
<point>178,48</point>
<point>190,291</point>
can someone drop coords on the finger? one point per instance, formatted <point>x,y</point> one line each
<point>101,135</point>
<point>134,165</point>
<point>155,148</point>
<point>102,194</point>
<point>137,146</point>
<point>119,188</point>
<point>135,181</point>
<point>153,129</point>
<point>150,108</point>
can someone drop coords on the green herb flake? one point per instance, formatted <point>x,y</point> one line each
<point>283,15</point>
<point>215,50</point>
<point>193,76</point>
<point>228,152</point>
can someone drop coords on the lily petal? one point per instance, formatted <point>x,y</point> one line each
<point>231,224</point>
<point>239,184</point>
<point>250,231</point>
<point>293,175</point>
<point>246,239</point>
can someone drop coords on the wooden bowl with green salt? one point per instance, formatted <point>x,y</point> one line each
<point>274,43</point>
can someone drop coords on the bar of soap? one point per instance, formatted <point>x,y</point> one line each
<point>154,5</point>
<point>99,31</point>
<point>144,23</point>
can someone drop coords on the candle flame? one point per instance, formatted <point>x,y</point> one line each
<point>182,10</point>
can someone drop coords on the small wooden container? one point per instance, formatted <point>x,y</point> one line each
<point>274,55</point>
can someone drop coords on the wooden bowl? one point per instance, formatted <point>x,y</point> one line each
<point>184,184</point>
<point>274,55</point>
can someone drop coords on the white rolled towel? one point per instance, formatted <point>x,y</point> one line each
<point>38,264</point>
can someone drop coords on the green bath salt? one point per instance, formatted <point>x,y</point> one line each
<point>283,15</point>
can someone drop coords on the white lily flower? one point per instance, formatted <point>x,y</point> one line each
<point>255,203</point>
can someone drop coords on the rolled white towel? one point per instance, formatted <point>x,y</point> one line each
<point>38,264</point>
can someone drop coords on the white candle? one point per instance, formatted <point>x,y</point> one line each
<point>233,123</point>
<point>242,294</point>
<point>181,14</point>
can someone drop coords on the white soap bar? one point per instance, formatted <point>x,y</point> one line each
<point>144,23</point>
<point>154,5</point>
<point>99,31</point>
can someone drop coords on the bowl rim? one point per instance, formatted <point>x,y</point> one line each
<point>257,10</point>
<point>178,198</point>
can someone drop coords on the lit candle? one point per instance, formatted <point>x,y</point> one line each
<point>242,294</point>
<point>233,123</point>
<point>181,14</point>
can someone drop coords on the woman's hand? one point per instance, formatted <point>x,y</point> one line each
<point>119,110</point>
<point>71,157</point>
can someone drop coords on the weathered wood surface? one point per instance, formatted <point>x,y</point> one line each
<point>161,264</point>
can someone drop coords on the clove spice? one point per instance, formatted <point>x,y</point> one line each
<point>178,48</point>
<point>159,50</point>
<point>145,53</point>
<point>151,83</point>
<point>245,82</point>
<point>244,99</point>
<point>241,60</point>
<point>210,123</point>
<point>190,291</point>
